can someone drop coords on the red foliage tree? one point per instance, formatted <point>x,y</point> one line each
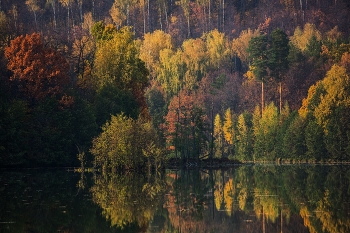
<point>38,71</point>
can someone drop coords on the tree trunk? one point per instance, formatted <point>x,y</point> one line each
<point>148,16</point>
<point>93,8</point>
<point>127,15</point>
<point>188,26</point>
<point>262,97</point>
<point>81,11</point>
<point>209,12</point>
<point>160,18</point>
<point>68,21</point>
<point>144,18</point>
<point>280,91</point>
<point>166,17</point>
<point>36,24</point>
<point>223,15</point>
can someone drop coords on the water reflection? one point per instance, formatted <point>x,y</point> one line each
<point>241,199</point>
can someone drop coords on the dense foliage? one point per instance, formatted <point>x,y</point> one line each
<point>191,68</point>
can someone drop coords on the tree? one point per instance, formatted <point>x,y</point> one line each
<point>5,32</point>
<point>244,137</point>
<point>185,5</point>
<point>67,4</point>
<point>194,55</point>
<point>33,7</point>
<point>38,71</point>
<point>117,63</point>
<point>156,106</point>
<point>265,132</point>
<point>150,49</point>
<point>302,37</point>
<point>217,48</point>
<point>278,57</point>
<point>171,72</point>
<point>333,111</point>
<point>240,44</point>
<point>53,5</point>
<point>115,146</point>
<point>117,12</point>
<point>327,104</point>
<point>229,130</point>
<point>185,125</point>
<point>219,137</point>
<point>258,55</point>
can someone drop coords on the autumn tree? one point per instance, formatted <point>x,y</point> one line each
<point>229,131</point>
<point>150,49</point>
<point>194,55</point>
<point>218,137</point>
<point>301,37</point>
<point>115,146</point>
<point>171,72</point>
<point>217,47</point>
<point>185,125</point>
<point>332,113</point>
<point>239,45</point>
<point>117,64</point>
<point>244,138</point>
<point>37,70</point>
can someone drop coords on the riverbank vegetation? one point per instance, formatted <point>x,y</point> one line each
<point>130,89</point>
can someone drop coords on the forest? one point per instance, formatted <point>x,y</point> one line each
<point>130,83</point>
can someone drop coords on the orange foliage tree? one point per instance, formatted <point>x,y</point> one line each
<point>38,71</point>
<point>186,124</point>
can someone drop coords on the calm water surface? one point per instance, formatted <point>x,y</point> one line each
<point>264,198</point>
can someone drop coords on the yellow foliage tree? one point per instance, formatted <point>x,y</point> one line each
<point>228,128</point>
<point>151,46</point>
<point>239,45</point>
<point>301,38</point>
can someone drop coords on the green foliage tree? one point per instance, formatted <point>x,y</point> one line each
<point>156,106</point>
<point>294,139</point>
<point>278,58</point>
<point>327,105</point>
<point>313,48</point>
<point>244,147</point>
<point>257,50</point>
<point>265,133</point>
<point>125,143</point>
<point>332,113</point>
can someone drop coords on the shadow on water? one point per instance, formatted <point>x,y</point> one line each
<point>260,198</point>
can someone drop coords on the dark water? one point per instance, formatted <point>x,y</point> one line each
<point>264,198</point>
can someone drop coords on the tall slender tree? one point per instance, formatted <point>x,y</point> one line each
<point>33,7</point>
<point>258,55</point>
<point>278,58</point>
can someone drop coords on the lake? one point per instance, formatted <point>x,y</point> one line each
<point>259,198</point>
